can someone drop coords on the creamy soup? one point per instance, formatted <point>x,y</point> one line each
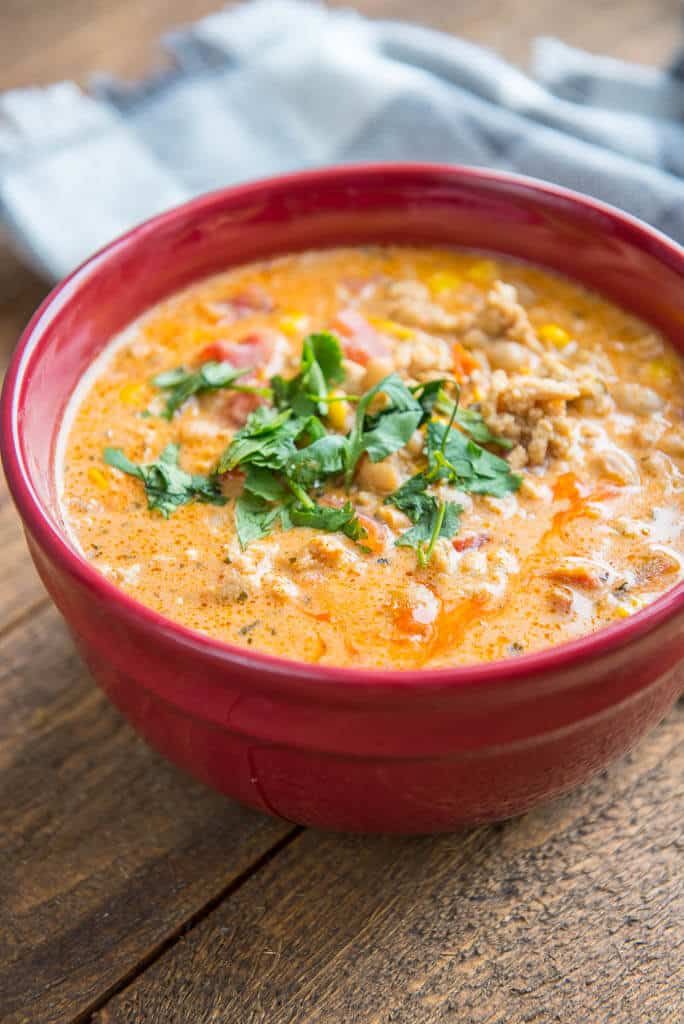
<point>384,457</point>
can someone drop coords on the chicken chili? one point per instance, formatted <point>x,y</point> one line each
<point>383,457</point>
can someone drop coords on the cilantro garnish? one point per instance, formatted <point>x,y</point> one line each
<point>459,460</point>
<point>456,458</point>
<point>386,431</point>
<point>267,439</point>
<point>167,485</point>
<point>279,493</point>
<point>471,422</point>
<point>288,456</point>
<point>330,518</point>
<point>431,518</point>
<point>180,384</point>
<point>321,366</point>
<point>254,517</point>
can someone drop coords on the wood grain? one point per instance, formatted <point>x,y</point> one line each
<point>20,589</point>
<point>572,914</point>
<point>78,37</point>
<point>106,850</point>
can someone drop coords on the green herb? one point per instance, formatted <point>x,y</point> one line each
<point>254,517</point>
<point>321,366</point>
<point>264,484</point>
<point>311,465</point>
<point>431,518</point>
<point>380,434</point>
<point>180,384</point>
<point>167,485</point>
<point>454,457</point>
<point>470,420</point>
<point>329,518</point>
<point>429,394</point>
<point>279,475</point>
<point>267,439</point>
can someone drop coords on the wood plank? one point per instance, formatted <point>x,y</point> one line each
<point>106,850</point>
<point>84,36</point>
<point>20,589</point>
<point>571,913</point>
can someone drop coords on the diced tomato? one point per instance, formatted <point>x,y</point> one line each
<point>361,342</point>
<point>376,534</point>
<point>238,406</point>
<point>463,362</point>
<point>263,350</point>
<point>471,542</point>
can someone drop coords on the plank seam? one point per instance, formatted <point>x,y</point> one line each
<point>87,1016</point>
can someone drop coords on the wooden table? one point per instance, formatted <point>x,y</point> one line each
<point>130,894</point>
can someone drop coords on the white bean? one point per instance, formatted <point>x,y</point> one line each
<point>381,477</point>
<point>512,357</point>
<point>617,465</point>
<point>376,370</point>
<point>636,398</point>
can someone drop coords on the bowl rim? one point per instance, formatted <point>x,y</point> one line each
<point>37,520</point>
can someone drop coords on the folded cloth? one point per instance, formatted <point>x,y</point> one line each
<point>276,85</point>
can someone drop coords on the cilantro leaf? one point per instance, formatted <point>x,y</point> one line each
<point>470,420</point>
<point>438,519</point>
<point>454,457</point>
<point>412,497</point>
<point>167,486</point>
<point>431,518</point>
<point>321,366</point>
<point>267,439</point>
<point>254,517</point>
<point>386,431</point>
<point>324,457</point>
<point>180,384</point>
<point>264,484</point>
<point>329,518</point>
<point>428,394</point>
<point>325,349</point>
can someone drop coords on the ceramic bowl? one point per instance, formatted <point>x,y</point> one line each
<point>344,748</point>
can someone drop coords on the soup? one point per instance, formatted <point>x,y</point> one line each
<point>383,456</point>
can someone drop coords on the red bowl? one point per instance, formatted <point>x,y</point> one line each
<point>364,750</point>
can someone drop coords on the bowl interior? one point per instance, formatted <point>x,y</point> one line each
<point>589,242</point>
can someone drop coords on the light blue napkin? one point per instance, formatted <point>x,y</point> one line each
<point>276,85</point>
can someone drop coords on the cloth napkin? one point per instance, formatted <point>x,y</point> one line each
<point>276,85</point>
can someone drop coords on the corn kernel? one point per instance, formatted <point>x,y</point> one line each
<point>338,413</point>
<point>392,327</point>
<point>478,393</point>
<point>662,371</point>
<point>293,324</point>
<point>483,272</point>
<point>554,334</point>
<point>130,394</point>
<point>99,478</point>
<point>163,331</point>
<point>443,281</point>
<point>201,335</point>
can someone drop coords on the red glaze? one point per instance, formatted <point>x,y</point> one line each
<point>364,750</point>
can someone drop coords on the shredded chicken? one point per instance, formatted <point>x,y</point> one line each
<point>502,317</point>
<point>409,302</point>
